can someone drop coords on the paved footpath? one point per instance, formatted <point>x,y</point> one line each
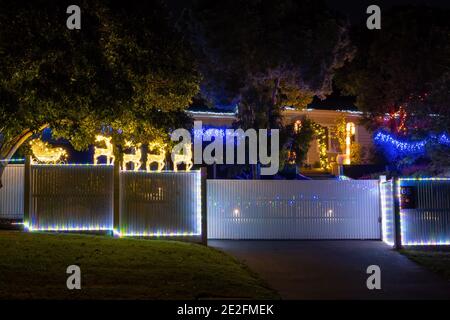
<point>335,269</point>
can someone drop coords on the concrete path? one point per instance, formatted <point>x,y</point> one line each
<point>335,269</point>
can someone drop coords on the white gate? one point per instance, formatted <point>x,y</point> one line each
<point>269,209</point>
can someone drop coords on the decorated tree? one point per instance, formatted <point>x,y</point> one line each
<point>127,72</point>
<point>400,76</point>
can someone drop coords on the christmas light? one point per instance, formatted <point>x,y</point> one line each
<point>349,132</point>
<point>107,151</point>
<point>134,158</point>
<point>185,157</point>
<point>386,213</point>
<point>401,147</point>
<point>321,136</point>
<point>395,147</point>
<point>159,158</point>
<point>44,153</point>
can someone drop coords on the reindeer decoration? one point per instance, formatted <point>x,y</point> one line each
<point>185,157</point>
<point>134,158</point>
<point>107,151</point>
<point>44,153</point>
<point>158,158</point>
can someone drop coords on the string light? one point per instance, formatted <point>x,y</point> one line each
<point>134,158</point>
<point>321,136</point>
<point>349,132</point>
<point>107,151</point>
<point>44,153</point>
<point>185,157</point>
<point>386,213</point>
<point>400,147</point>
<point>159,158</point>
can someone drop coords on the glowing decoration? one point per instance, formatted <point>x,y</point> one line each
<point>134,158</point>
<point>291,157</point>
<point>320,134</point>
<point>185,157</point>
<point>387,211</point>
<point>12,160</point>
<point>159,158</point>
<point>65,228</point>
<point>397,148</point>
<point>349,132</point>
<point>297,126</point>
<point>107,151</point>
<point>396,121</point>
<point>44,153</point>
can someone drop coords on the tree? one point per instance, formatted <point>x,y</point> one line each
<point>300,136</point>
<point>405,65</point>
<point>126,72</point>
<point>265,55</point>
<point>403,70</point>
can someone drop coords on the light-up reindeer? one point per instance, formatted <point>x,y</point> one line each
<point>134,158</point>
<point>159,157</point>
<point>44,153</point>
<point>185,157</point>
<point>106,152</point>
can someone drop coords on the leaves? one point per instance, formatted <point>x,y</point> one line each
<point>124,69</point>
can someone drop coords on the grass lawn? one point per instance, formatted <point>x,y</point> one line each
<point>33,266</point>
<point>436,261</point>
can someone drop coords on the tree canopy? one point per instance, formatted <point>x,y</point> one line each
<point>265,55</point>
<point>127,71</point>
<point>401,78</point>
<point>404,67</point>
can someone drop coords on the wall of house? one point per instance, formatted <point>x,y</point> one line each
<point>326,118</point>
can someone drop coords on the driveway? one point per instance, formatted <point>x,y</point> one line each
<point>335,269</point>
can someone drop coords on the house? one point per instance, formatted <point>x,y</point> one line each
<point>220,118</point>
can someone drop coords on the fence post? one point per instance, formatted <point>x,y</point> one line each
<point>203,175</point>
<point>397,218</point>
<point>382,179</point>
<point>116,196</point>
<point>27,191</point>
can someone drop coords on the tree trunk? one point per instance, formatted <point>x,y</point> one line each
<point>9,148</point>
<point>274,103</point>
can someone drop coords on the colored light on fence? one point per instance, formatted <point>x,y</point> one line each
<point>404,231</point>
<point>63,228</point>
<point>71,165</point>
<point>424,179</point>
<point>385,206</point>
<point>427,243</point>
<point>155,234</point>
<point>12,160</point>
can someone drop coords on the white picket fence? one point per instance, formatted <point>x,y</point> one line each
<point>169,204</point>
<point>269,209</point>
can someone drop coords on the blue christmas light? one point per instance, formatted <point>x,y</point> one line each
<point>397,148</point>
